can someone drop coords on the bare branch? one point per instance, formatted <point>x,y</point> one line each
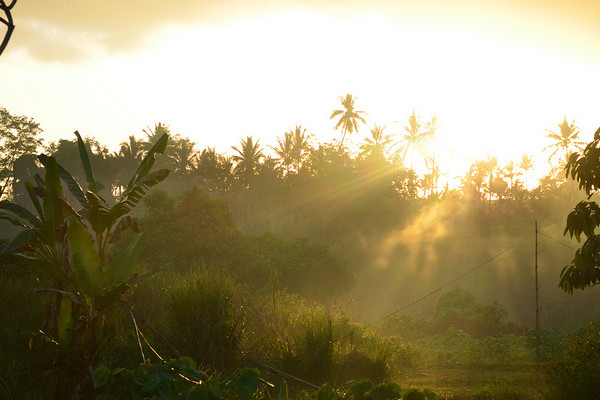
<point>8,22</point>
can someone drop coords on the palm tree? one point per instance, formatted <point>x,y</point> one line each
<point>526,165</point>
<point>132,150</point>
<point>183,156</point>
<point>565,141</point>
<point>375,145</point>
<point>348,117</point>
<point>510,173</point>
<point>284,151</point>
<point>300,146</point>
<point>152,136</point>
<point>415,138</point>
<point>247,159</point>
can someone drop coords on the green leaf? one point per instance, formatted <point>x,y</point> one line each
<point>72,185</point>
<point>147,163</point>
<point>139,190</point>
<point>325,393</point>
<point>97,212</point>
<point>34,200</point>
<point>52,209</point>
<point>101,377</point>
<point>21,239</point>
<point>379,393</point>
<point>86,261</point>
<point>358,389</point>
<point>93,185</point>
<point>65,321</point>
<point>21,212</point>
<point>198,393</point>
<point>72,296</point>
<point>122,267</point>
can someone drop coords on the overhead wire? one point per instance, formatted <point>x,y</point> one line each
<point>441,287</point>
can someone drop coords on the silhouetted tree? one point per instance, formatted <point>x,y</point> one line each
<point>18,136</point>
<point>247,159</point>
<point>565,141</point>
<point>376,145</point>
<point>348,117</point>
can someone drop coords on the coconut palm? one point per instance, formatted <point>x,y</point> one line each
<point>247,159</point>
<point>348,117</point>
<point>565,141</point>
<point>132,150</point>
<point>284,151</point>
<point>375,145</point>
<point>417,136</point>
<point>300,146</point>
<point>183,155</point>
<point>526,165</point>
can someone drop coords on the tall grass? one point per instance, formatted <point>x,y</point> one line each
<point>208,315</point>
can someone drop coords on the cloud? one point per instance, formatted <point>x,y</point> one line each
<point>67,30</point>
<point>70,30</point>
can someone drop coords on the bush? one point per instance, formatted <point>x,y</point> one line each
<point>577,373</point>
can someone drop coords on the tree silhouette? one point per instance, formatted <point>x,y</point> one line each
<point>8,21</point>
<point>284,151</point>
<point>526,165</point>
<point>565,141</point>
<point>375,146</point>
<point>182,156</point>
<point>247,159</point>
<point>348,117</point>
<point>300,147</point>
<point>416,138</point>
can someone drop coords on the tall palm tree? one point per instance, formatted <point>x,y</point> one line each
<point>132,150</point>
<point>348,117</point>
<point>300,146</point>
<point>565,141</point>
<point>510,172</point>
<point>284,151</point>
<point>152,135</point>
<point>526,165</point>
<point>416,138</point>
<point>375,145</point>
<point>247,159</point>
<point>183,156</point>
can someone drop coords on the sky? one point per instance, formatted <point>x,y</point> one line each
<point>496,74</point>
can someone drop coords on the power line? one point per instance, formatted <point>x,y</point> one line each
<point>441,287</point>
<point>557,241</point>
<point>447,284</point>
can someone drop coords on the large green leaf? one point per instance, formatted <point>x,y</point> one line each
<point>35,200</point>
<point>93,185</point>
<point>147,163</point>
<point>19,241</point>
<point>19,211</point>
<point>72,184</point>
<point>97,212</point>
<point>86,261</point>
<point>65,321</point>
<point>122,268</point>
<point>139,190</point>
<point>52,208</point>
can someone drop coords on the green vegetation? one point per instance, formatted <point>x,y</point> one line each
<point>302,263</point>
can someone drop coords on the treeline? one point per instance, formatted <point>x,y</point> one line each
<point>402,234</point>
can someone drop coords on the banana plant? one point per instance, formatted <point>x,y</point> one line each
<point>70,244</point>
